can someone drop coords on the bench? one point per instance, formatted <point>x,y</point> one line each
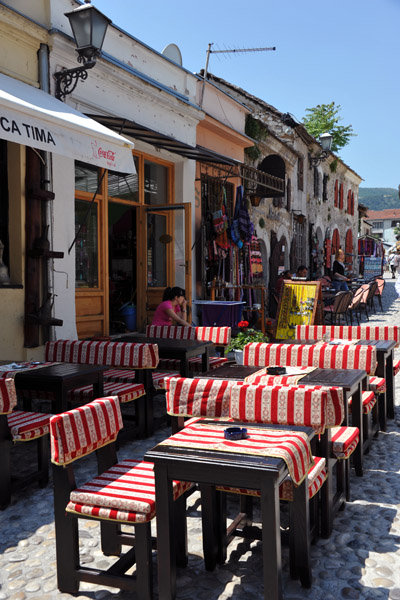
<point>119,494</point>
<point>20,426</point>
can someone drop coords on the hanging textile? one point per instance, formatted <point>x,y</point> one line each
<point>255,258</point>
<point>246,227</point>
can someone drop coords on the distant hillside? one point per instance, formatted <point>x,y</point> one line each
<point>379,198</point>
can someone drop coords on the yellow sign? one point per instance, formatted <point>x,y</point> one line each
<point>297,306</point>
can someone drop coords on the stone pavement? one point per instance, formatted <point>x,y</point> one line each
<point>360,560</point>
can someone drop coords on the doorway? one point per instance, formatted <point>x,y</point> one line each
<point>122,245</point>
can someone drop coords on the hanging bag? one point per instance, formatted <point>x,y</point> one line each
<point>234,229</point>
<point>219,217</point>
<point>246,227</point>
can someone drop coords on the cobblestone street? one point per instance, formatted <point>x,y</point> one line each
<point>360,560</point>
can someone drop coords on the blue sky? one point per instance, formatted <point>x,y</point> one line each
<point>345,51</point>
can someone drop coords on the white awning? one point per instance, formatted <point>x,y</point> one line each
<point>31,117</point>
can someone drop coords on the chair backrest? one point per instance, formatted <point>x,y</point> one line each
<point>380,286</point>
<point>279,405</point>
<point>373,286</point>
<point>187,397</point>
<point>324,356</point>
<point>113,354</point>
<point>174,332</point>
<point>81,431</point>
<point>342,302</point>
<point>349,332</point>
<point>355,301</point>
<point>8,396</point>
<point>218,335</point>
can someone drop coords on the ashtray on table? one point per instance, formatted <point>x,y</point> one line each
<point>235,433</point>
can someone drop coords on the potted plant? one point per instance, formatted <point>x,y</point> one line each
<point>245,336</point>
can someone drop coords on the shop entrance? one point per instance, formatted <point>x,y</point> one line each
<point>122,267</point>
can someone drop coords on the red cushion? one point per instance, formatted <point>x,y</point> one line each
<point>396,368</point>
<point>113,354</point>
<point>8,396</point>
<point>125,492</point>
<point>26,426</point>
<point>126,392</point>
<point>344,441</point>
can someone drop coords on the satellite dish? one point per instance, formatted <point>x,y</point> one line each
<point>173,53</point>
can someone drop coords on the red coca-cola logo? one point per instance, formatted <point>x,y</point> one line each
<point>107,154</point>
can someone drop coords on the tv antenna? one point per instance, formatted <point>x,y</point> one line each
<point>226,51</point>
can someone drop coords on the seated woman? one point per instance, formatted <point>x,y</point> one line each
<point>339,279</point>
<point>173,308</point>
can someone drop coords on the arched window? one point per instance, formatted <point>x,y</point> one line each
<point>335,241</point>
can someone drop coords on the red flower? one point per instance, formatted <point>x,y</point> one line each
<point>243,324</point>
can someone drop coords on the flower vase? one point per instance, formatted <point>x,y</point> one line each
<point>239,357</point>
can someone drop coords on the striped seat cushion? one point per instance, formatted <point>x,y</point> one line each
<point>122,376</point>
<point>126,392</point>
<point>25,426</point>
<point>125,492</point>
<point>8,396</point>
<point>396,367</point>
<point>221,336</point>
<point>83,430</point>
<point>377,384</point>
<point>368,401</point>
<point>344,441</point>
<point>316,478</point>
<point>112,354</point>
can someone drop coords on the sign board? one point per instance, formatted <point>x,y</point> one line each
<point>372,266</point>
<point>300,303</point>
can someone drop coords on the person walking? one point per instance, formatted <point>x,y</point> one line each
<point>391,265</point>
<point>396,265</point>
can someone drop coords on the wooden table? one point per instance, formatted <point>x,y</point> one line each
<point>384,354</point>
<point>59,379</point>
<point>231,370</point>
<point>178,349</point>
<point>210,468</point>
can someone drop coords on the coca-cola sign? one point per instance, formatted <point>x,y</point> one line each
<point>108,155</point>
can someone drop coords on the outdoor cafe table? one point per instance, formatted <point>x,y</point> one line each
<point>209,468</point>
<point>231,370</point>
<point>59,379</point>
<point>384,355</point>
<point>352,381</point>
<point>178,349</point>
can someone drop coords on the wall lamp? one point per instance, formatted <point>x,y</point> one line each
<point>89,28</point>
<point>326,142</point>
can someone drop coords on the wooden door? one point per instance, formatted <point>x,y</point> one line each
<point>164,256</point>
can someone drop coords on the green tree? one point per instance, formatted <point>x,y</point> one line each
<point>325,118</point>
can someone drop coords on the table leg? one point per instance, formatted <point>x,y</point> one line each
<point>166,552</point>
<point>98,389</point>
<point>210,526</point>
<point>389,386</point>
<point>299,536</point>
<point>184,366</point>
<point>205,360</point>
<point>272,560</point>
<point>357,421</point>
<point>327,491</point>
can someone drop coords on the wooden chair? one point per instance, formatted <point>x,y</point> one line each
<point>379,290</point>
<point>119,494</point>
<point>339,307</point>
<point>20,426</point>
<point>354,306</point>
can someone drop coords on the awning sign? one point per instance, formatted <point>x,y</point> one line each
<point>31,117</point>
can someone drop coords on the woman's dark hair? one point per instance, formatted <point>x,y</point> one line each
<point>170,293</point>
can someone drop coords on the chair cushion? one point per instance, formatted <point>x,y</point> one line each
<point>316,477</point>
<point>83,430</point>
<point>324,356</point>
<point>126,392</point>
<point>113,354</point>
<point>377,384</point>
<point>159,378</point>
<point>368,401</point>
<point>8,396</point>
<point>198,397</point>
<point>25,426</point>
<point>396,368</point>
<point>125,492</point>
<point>349,332</point>
<point>120,375</point>
<point>175,332</point>
<point>195,363</point>
<point>344,441</point>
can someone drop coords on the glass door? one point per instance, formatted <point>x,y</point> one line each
<point>164,256</point>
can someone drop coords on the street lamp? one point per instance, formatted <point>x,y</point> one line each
<point>89,28</point>
<point>326,142</point>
